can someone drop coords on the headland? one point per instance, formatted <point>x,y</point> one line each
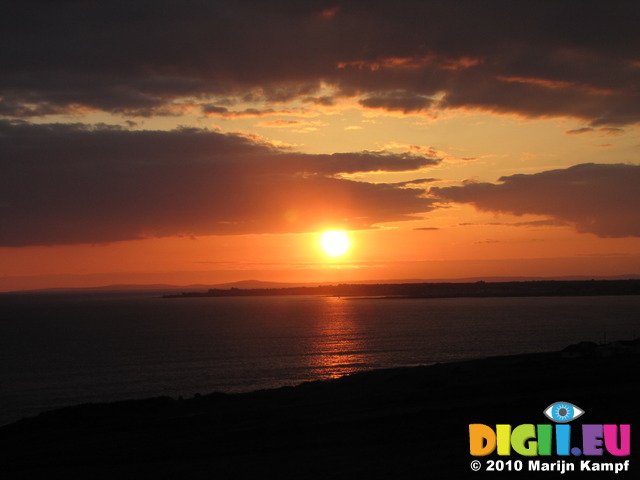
<point>534,288</point>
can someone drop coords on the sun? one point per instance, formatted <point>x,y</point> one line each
<point>335,243</point>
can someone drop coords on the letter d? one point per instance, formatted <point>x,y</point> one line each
<point>482,439</point>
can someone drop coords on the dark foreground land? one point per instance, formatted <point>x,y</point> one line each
<point>546,288</point>
<point>407,423</point>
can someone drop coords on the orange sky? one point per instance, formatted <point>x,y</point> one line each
<point>443,156</point>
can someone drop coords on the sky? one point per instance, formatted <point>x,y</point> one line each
<point>201,142</point>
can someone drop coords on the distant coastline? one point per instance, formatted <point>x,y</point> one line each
<point>534,288</point>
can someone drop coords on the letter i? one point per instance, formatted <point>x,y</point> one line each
<point>503,432</point>
<point>563,439</point>
<point>544,439</point>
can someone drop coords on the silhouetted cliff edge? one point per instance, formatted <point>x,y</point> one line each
<point>403,423</point>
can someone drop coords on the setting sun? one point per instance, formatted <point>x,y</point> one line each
<point>335,243</point>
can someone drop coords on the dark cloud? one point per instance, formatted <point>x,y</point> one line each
<point>603,131</point>
<point>611,131</point>
<point>538,223</point>
<point>595,198</point>
<point>417,181</point>
<point>532,223</point>
<point>405,102</point>
<point>488,241</point>
<point>63,184</point>
<point>579,131</point>
<point>535,58</point>
<point>219,111</point>
<point>214,110</point>
<point>325,100</point>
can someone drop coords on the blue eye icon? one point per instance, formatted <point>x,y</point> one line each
<point>563,412</point>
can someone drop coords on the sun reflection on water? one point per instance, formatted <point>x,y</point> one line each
<point>339,342</point>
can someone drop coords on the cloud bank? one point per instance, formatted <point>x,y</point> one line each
<point>535,58</point>
<point>64,184</point>
<point>594,198</point>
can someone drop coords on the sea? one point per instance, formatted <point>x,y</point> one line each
<point>65,349</point>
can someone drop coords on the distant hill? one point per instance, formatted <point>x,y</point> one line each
<point>261,284</point>
<point>251,284</point>
<point>128,287</point>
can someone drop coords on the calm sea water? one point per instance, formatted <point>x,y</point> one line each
<point>65,349</point>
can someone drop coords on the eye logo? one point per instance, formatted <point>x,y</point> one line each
<point>563,412</point>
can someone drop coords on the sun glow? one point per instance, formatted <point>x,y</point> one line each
<point>335,243</point>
